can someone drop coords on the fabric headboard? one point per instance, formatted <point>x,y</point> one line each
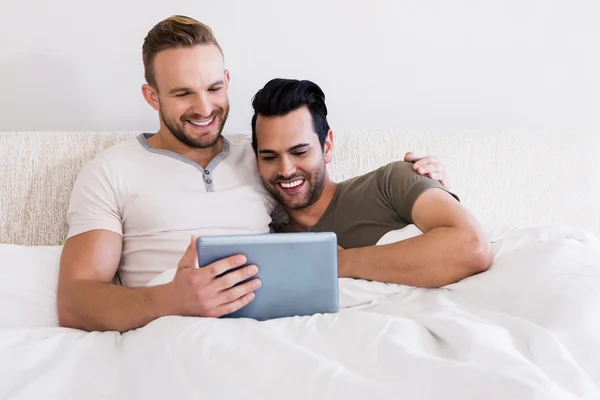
<point>501,176</point>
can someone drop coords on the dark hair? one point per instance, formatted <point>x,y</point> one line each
<point>173,32</point>
<point>281,96</point>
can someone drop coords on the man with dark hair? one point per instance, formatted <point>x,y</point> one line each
<point>137,205</point>
<point>293,144</point>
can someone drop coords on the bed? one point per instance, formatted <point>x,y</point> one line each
<point>529,328</point>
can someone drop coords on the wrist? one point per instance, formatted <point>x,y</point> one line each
<point>161,298</point>
<point>345,263</point>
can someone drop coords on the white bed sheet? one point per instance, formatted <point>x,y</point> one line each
<point>529,328</point>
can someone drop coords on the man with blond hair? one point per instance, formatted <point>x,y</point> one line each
<point>137,205</point>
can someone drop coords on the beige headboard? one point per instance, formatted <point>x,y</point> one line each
<point>38,171</point>
<point>500,176</point>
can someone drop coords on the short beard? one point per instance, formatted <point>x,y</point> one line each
<point>178,131</point>
<point>315,180</point>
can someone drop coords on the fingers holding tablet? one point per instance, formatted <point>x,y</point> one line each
<point>211,291</point>
<point>237,297</point>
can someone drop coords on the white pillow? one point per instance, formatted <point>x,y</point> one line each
<point>28,282</point>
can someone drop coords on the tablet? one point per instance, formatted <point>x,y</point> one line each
<point>298,271</point>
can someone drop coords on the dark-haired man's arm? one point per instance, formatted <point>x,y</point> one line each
<point>453,246</point>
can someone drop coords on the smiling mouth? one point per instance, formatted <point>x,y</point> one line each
<point>293,184</point>
<point>202,124</point>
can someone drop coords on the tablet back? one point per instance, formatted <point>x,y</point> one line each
<point>298,271</point>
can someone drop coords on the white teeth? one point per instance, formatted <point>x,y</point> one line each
<point>205,123</point>
<point>292,184</point>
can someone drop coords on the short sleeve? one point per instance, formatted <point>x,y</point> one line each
<point>402,186</point>
<point>93,202</point>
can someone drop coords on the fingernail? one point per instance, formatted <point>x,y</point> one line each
<point>422,170</point>
<point>256,284</point>
<point>252,270</point>
<point>240,260</point>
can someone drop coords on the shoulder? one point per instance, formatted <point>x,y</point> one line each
<point>398,179</point>
<point>124,150</point>
<point>397,169</point>
<point>124,147</point>
<point>240,146</point>
<point>393,171</point>
<point>239,141</point>
<point>110,159</point>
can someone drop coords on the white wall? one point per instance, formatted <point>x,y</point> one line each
<point>397,64</point>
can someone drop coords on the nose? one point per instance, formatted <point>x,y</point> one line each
<point>203,106</point>
<point>286,167</point>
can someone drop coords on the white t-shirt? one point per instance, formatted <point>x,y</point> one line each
<point>157,199</point>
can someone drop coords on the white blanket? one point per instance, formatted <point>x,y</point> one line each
<point>529,328</point>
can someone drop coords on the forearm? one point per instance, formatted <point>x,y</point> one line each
<point>96,306</point>
<point>439,257</point>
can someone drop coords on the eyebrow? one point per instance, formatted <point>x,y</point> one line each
<point>184,89</point>
<point>217,83</point>
<point>296,147</point>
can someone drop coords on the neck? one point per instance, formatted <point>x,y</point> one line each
<point>165,140</point>
<point>304,218</point>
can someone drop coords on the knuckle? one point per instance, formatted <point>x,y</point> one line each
<point>213,270</point>
<point>231,295</point>
<point>245,290</point>
<point>230,280</point>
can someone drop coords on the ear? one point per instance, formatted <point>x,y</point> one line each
<point>227,78</point>
<point>328,147</point>
<point>151,96</point>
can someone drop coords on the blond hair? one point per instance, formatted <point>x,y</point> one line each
<point>173,32</point>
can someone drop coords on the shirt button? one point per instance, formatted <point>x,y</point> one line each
<point>208,181</point>
<point>206,171</point>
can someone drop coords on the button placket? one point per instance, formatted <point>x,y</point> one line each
<point>207,180</point>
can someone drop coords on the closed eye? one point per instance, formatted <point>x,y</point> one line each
<point>215,89</point>
<point>299,153</point>
<point>181,94</point>
<point>268,158</point>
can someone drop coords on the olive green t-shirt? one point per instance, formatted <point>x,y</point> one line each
<point>365,208</point>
